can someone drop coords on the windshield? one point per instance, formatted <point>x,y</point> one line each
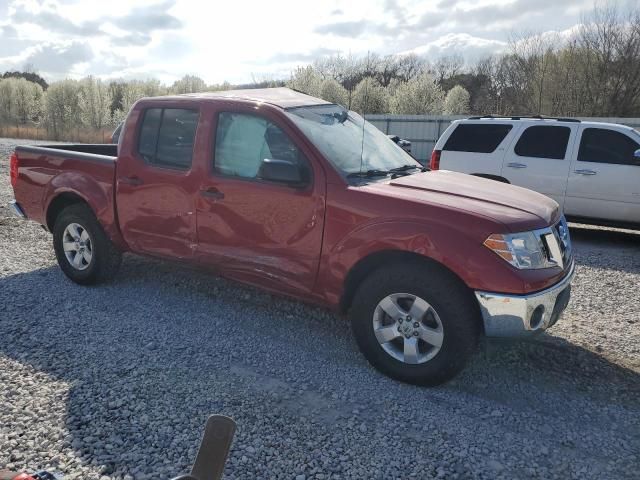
<point>338,134</point>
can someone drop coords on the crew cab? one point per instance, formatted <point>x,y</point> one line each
<point>591,169</point>
<point>301,197</point>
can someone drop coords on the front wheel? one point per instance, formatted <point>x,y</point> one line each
<point>84,252</point>
<point>417,324</point>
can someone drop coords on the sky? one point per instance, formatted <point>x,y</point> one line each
<point>242,41</point>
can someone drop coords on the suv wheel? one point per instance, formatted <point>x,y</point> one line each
<point>416,324</point>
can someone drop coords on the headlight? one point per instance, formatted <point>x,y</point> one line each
<point>522,250</point>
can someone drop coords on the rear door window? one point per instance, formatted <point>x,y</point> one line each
<point>167,136</point>
<point>543,141</point>
<point>149,133</point>
<point>607,146</point>
<point>478,138</point>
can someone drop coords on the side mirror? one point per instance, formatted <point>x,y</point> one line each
<point>636,156</point>
<point>280,171</point>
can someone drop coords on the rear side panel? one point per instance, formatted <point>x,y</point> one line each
<point>46,173</point>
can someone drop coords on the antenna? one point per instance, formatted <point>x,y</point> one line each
<point>364,110</point>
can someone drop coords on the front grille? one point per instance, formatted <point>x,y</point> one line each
<point>561,230</point>
<point>556,244</point>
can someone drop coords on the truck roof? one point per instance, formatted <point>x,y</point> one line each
<point>281,96</point>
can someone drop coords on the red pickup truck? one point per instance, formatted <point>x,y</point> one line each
<point>301,197</point>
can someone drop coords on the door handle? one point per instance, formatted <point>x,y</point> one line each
<point>133,181</point>
<point>212,192</point>
<point>516,165</point>
<point>585,172</point>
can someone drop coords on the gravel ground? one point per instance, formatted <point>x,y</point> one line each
<point>117,381</point>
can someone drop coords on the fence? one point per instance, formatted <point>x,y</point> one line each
<point>423,131</point>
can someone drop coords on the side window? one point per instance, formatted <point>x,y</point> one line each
<point>243,141</point>
<point>476,137</point>
<point>166,137</point>
<point>149,133</point>
<point>543,141</point>
<point>606,146</point>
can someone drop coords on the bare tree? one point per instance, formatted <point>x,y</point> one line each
<point>410,66</point>
<point>448,66</point>
<point>609,43</point>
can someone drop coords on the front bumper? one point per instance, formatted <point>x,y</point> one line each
<point>16,209</point>
<point>518,315</point>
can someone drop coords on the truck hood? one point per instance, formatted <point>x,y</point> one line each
<point>519,209</point>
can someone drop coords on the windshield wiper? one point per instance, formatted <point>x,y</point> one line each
<point>369,174</point>
<point>404,168</point>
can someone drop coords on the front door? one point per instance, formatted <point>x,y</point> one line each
<point>155,184</point>
<point>540,160</point>
<point>604,182</point>
<point>254,229</point>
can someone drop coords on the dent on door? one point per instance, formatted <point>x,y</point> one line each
<point>264,231</point>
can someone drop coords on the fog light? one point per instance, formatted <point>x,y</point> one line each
<point>536,317</point>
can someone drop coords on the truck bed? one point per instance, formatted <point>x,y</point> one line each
<point>73,150</point>
<point>64,172</point>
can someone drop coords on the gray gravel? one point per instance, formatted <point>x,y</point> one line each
<point>116,382</point>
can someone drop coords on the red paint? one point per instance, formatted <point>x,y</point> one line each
<point>434,164</point>
<point>299,242</point>
<point>13,169</point>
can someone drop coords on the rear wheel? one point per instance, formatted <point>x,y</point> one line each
<point>84,252</point>
<point>417,324</point>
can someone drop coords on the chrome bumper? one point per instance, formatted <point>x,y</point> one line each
<point>16,209</point>
<point>517,315</point>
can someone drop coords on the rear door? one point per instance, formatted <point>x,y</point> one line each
<point>156,184</point>
<point>254,229</point>
<point>540,159</point>
<point>604,182</point>
<point>475,147</point>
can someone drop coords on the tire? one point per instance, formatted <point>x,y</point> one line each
<point>449,315</point>
<point>99,259</point>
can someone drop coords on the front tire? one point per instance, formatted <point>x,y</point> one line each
<point>417,324</point>
<point>83,250</point>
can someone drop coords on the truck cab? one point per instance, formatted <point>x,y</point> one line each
<point>303,198</point>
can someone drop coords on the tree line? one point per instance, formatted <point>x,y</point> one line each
<point>594,71</point>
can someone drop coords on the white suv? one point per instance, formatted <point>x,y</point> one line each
<point>592,169</point>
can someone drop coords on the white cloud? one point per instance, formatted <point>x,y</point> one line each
<point>470,47</point>
<point>244,39</point>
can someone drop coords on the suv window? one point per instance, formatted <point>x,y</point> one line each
<point>606,146</point>
<point>542,141</point>
<point>243,141</point>
<point>166,137</point>
<point>476,137</point>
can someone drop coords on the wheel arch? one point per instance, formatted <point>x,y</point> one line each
<point>59,203</point>
<point>374,261</point>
